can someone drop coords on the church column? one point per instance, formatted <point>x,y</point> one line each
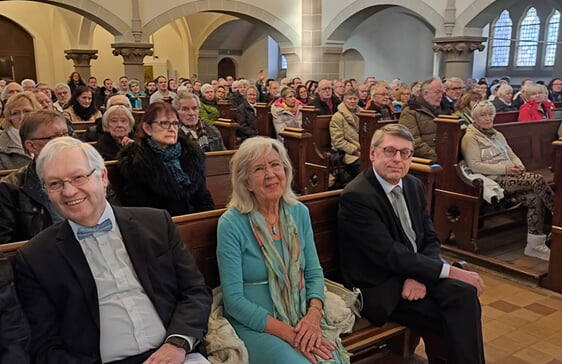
<point>133,55</point>
<point>457,54</point>
<point>81,59</point>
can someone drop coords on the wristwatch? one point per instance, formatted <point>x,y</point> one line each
<point>180,343</point>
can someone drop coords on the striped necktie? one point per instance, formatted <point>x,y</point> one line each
<point>401,209</point>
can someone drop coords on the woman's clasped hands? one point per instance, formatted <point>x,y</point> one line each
<point>309,340</point>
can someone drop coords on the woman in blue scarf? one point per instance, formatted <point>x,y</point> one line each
<point>162,170</point>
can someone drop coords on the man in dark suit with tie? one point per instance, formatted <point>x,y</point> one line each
<point>389,250</point>
<point>108,284</point>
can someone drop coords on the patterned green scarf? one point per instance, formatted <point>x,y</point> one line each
<point>286,278</point>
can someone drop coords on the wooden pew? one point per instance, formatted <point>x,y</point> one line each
<point>227,128</point>
<point>198,233</point>
<point>553,279</point>
<point>457,202</point>
<point>264,120</point>
<point>82,125</point>
<point>226,111</point>
<point>506,117</point>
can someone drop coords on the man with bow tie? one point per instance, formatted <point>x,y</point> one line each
<point>108,284</point>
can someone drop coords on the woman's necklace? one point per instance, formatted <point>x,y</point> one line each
<point>273,228</point>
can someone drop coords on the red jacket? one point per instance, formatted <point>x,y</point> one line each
<point>529,112</point>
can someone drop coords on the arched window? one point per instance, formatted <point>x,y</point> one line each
<point>501,40</point>
<point>551,39</point>
<point>528,39</point>
<point>283,62</point>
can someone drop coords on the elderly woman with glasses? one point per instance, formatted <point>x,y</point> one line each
<point>12,154</point>
<point>271,279</point>
<point>486,151</point>
<point>162,170</point>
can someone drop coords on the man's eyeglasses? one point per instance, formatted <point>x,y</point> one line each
<point>390,152</point>
<point>51,137</point>
<point>456,88</point>
<point>167,124</point>
<point>58,185</point>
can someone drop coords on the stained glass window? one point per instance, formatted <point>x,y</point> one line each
<point>527,42</point>
<point>551,39</point>
<point>501,40</point>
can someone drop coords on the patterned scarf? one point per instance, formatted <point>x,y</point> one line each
<point>286,278</point>
<point>170,158</point>
<point>199,135</point>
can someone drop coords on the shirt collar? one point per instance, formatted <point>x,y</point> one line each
<point>107,214</point>
<point>386,186</point>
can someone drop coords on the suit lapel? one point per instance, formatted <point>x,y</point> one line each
<point>137,252</point>
<point>70,249</point>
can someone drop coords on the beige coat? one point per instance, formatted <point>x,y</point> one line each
<point>487,155</point>
<point>344,132</point>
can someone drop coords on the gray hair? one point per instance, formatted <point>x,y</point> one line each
<point>242,199</point>
<point>26,81</point>
<point>16,100</point>
<point>503,89</point>
<point>117,109</point>
<point>428,84</point>
<point>481,107</point>
<point>111,101</point>
<point>57,145</point>
<point>207,86</point>
<point>286,90</point>
<point>450,80</point>
<point>61,85</point>
<point>5,89</point>
<point>397,130</point>
<point>184,95</point>
<point>243,82</point>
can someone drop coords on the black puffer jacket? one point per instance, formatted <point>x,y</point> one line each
<point>145,181</point>
<point>25,209</point>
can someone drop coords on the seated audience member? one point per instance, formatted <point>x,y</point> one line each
<point>537,106</point>
<point>402,97</point>
<point>344,131</point>
<point>75,80</point>
<point>302,94</point>
<point>28,84</point>
<point>12,153</point>
<point>486,151</point>
<point>11,89</point>
<point>125,266</point>
<point>193,128</point>
<point>118,124</point>
<point>454,87</point>
<point>16,336</point>
<point>246,115</point>
<point>380,101</point>
<point>312,88</point>
<point>324,102</point>
<point>123,85</point>
<point>150,88</point>
<point>234,96</point>
<point>135,94</point>
<point>503,100</point>
<point>208,111</point>
<point>94,133</point>
<point>363,94</point>
<point>197,87</point>
<point>483,89</point>
<point>338,89</point>
<point>272,93</point>
<point>286,111</point>
<point>162,170</point>
<point>555,90</point>
<point>26,209</point>
<point>81,106</point>
<point>520,97</point>
<point>43,100</point>
<point>162,92</point>
<point>172,85</point>
<point>279,323</point>
<point>62,93</point>
<point>390,251</point>
<point>220,92</point>
<point>465,105</point>
<point>93,85</point>
<point>418,117</point>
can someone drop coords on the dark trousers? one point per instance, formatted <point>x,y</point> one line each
<point>450,309</point>
<point>137,359</point>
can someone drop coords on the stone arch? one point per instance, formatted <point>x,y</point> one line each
<point>342,25</point>
<point>94,12</point>
<point>281,32</point>
<point>480,13</point>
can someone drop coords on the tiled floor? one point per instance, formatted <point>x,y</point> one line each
<point>520,324</point>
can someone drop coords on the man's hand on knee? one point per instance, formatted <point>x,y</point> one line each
<point>413,290</point>
<point>469,277</point>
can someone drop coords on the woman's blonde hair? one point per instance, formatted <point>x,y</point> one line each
<point>15,100</point>
<point>251,149</point>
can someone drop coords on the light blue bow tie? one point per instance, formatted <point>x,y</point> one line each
<point>84,232</point>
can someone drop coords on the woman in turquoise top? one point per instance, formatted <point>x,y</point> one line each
<point>271,278</point>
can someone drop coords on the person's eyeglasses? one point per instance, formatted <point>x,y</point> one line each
<point>456,88</point>
<point>390,152</point>
<point>51,137</point>
<point>58,185</point>
<point>167,124</point>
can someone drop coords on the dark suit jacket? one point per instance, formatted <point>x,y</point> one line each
<point>375,253</point>
<point>58,292</point>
